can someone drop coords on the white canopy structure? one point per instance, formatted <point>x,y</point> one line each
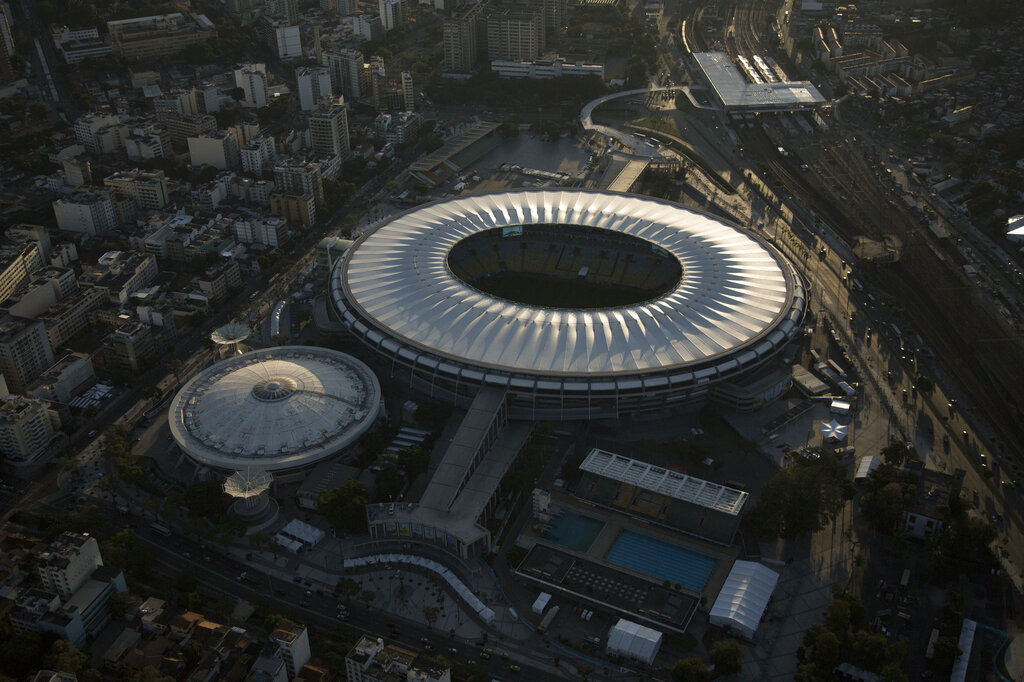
<point>833,430</point>
<point>865,466</point>
<point>633,640</point>
<point>542,603</point>
<point>744,598</point>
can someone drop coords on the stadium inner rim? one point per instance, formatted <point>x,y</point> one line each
<point>736,304</point>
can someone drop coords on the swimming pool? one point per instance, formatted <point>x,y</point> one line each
<point>574,531</point>
<point>661,560</point>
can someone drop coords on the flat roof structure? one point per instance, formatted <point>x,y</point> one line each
<point>665,481</point>
<point>737,303</point>
<point>451,157</point>
<point>736,92</point>
<point>275,409</point>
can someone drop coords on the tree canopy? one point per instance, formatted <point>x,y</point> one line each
<point>345,507</point>
<point>803,497</point>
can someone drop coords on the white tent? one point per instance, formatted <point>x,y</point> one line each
<point>744,598</point>
<point>865,466</point>
<point>833,430</point>
<point>633,640</point>
<point>541,603</point>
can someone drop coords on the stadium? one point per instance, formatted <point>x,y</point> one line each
<point>581,304</point>
<point>277,409</point>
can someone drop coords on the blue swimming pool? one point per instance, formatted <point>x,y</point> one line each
<point>661,560</point>
<point>574,531</point>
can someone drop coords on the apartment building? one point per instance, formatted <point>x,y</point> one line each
<point>27,427</point>
<point>25,351</point>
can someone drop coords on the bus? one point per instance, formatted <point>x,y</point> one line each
<point>160,530</point>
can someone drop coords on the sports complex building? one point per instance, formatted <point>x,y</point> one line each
<point>279,409</point>
<point>577,304</point>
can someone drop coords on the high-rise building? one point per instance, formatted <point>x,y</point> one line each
<point>283,9</point>
<point>6,45</point>
<point>257,154</point>
<point>393,13</point>
<point>464,38</point>
<point>343,7</point>
<point>85,212</point>
<point>217,149</point>
<point>89,129</point>
<point>408,92</point>
<point>25,351</point>
<point>294,642</point>
<point>293,176</point>
<point>252,78</point>
<point>153,37</point>
<point>378,83</point>
<point>514,34</point>
<point>176,104</point>
<point>27,426</point>
<point>346,67</point>
<point>180,129</point>
<point>68,562</point>
<point>555,14</point>
<point>314,83</point>
<point>147,188</point>
<point>328,129</point>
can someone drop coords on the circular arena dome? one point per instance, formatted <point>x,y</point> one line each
<point>582,303</point>
<point>275,409</point>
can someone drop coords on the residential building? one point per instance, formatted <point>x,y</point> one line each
<point>296,209</point>
<point>79,44</point>
<point>176,103</point>
<point>217,149</point>
<point>64,379</point>
<point>285,10</point>
<point>180,129</point>
<point>147,188</point>
<point>294,176</point>
<point>77,171</point>
<point>269,666</point>
<point>25,351</point>
<point>257,154</point>
<point>555,14</point>
<point>367,26</point>
<point>464,37</point>
<point>119,274</point>
<point>346,66</point>
<point>32,300</point>
<point>408,92</point>
<point>132,346</point>
<point>398,128</point>
<point>260,191</point>
<point>61,278</point>
<point>252,78</point>
<point>148,142</point>
<point>155,37</point>
<point>314,83</point>
<point>925,515</point>
<point>514,34</point>
<point>378,79</point>
<point>27,427</point>
<point>219,280</point>
<point>16,265</point>
<point>393,13</point>
<point>328,129</point>
<point>68,562</point>
<point>71,315</point>
<point>92,131</point>
<point>294,642</point>
<point>370,660</point>
<point>283,38</point>
<point>268,231</point>
<point>85,212</point>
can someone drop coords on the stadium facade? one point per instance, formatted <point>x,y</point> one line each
<point>581,304</point>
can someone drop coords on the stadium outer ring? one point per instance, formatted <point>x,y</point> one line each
<point>739,299</point>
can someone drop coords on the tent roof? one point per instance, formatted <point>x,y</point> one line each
<point>865,466</point>
<point>634,639</point>
<point>745,595</point>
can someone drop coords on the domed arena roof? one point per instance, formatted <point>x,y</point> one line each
<point>275,409</point>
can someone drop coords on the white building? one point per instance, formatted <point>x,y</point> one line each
<point>408,92</point>
<point>252,78</point>
<point>217,149</point>
<point>68,562</point>
<point>257,154</point>
<point>346,67</point>
<point>89,213</point>
<point>544,68</point>
<point>314,83</point>
<point>269,231</point>
<point>79,44</point>
<point>93,131</point>
<point>393,13</point>
<point>27,426</point>
<point>147,188</point>
<point>287,42</point>
<point>294,642</point>
<point>146,143</point>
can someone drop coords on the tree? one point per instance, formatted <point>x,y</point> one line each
<point>897,453</point>
<point>945,651</point>
<point>348,588</point>
<point>150,392</point>
<point>430,613</point>
<point>884,508</point>
<point>727,656</point>
<point>205,499</point>
<point>192,651</point>
<point>65,657</point>
<point>414,461</point>
<point>803,497</point>
<point>345,507</point>
<point>367,597</point>
<point>389,483</point>
<point>174,365</point>
<point>118,604</point>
